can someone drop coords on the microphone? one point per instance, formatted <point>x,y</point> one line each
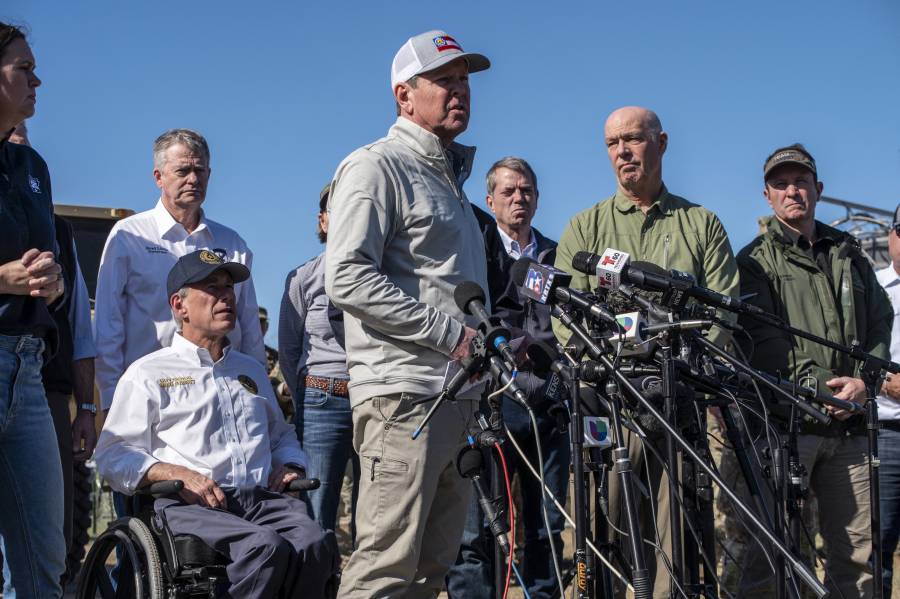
<point>613,269</point>
<point>545,284</point>
<point>470,299</point>
<point>471,365</point>
<point>469,464</point>
<point>544,357</point>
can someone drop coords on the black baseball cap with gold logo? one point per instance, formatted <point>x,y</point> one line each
<point>196,266</point>
<point>792,154</point>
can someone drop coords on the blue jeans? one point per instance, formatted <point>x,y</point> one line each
<point>31,483</point>
<point>325,429</point>
<point>889,487</point>
<point>472,577</point>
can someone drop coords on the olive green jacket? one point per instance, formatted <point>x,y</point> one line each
<point>674,234</point>
<point>784,280</point>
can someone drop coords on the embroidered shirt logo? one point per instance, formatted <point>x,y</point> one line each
<point>155,249</point>
<point>248,383</point>
<point>34,183</point>
<point>175,381</point>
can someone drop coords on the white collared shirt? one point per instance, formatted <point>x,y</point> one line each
<point>177,406</point>
<point>889,409</point>
<point>513,248</point>
<point>132,316</point>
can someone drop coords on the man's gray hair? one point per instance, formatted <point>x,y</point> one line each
<point>182,293</point>
<point>513,163</point>
<point>192,140</point>
<point>413,82</point>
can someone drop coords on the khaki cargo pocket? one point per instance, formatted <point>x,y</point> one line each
<point>392,483</point>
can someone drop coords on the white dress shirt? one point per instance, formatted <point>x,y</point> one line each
<point>889,409</point>
<point>177,406</point>
<point>132,316</point>
<point>516,251</point>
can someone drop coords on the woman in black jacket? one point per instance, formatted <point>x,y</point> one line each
<point>31,496</point>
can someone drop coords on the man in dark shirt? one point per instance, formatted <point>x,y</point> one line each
<point>817,279</point>
<point>512,197</point>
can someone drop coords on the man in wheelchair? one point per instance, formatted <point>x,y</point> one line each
<point>203,413</point>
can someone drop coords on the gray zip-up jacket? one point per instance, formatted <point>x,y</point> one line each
<point>401,237</point>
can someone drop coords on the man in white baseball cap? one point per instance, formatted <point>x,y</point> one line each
<point>401,237</point>
<point>429,51</point>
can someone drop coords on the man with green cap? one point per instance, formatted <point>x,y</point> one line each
<point>817,279</point>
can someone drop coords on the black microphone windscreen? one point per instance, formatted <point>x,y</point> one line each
<point>585,262</point>
<point>519,270</point>
<point>469,462</point>
<point>542,356</point>
<point>465,292</point>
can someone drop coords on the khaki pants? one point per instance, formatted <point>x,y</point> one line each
<point>839,476</point>
<point>412,502</point>
<point>647,469</point>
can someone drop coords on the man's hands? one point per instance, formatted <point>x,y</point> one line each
<point>891,386</point>
<point>848,389</point>
<point>35,274</point>
<point>464,346</point>
<point>84,436</point>
<point>282,476</point>
<point>198,489</point>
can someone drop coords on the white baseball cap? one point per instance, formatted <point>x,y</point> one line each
<point>429,51</point>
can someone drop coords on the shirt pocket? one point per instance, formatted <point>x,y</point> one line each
<point>253,418</point>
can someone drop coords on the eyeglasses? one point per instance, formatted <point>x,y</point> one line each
<point>896,229</point>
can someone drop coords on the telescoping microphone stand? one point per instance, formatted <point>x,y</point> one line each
<point>643,587</point>
<point>872,371</point>
<point>687,487</point>
<point>469,462</point>
<point>621,379</point>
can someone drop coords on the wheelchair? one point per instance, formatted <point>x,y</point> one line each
<point>154,563</point>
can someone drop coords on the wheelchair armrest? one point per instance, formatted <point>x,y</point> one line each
<point>303,484</point>
<point>161,488</point>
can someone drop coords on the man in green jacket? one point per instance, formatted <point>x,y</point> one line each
<point>817,279</point>
<point>653,225</point>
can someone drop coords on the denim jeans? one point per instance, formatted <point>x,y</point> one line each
<point>889,486</point>
<point>31,484</point>
<point>325,429</point>
<point>472,577</point>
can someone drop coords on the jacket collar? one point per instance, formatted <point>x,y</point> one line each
<point>624,204</point>
<point>774,229</point>
<point>427,145</point>
<point>196,355</point>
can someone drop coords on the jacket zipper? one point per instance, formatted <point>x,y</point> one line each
<point>666,252</point>
<point>448,173</point>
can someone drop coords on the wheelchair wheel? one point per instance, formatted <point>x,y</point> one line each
<point>139,568</point>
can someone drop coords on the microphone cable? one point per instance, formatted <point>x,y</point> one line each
<point>565,514</point>
<point>512,521</point>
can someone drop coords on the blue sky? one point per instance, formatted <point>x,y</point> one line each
<point>284,90</point>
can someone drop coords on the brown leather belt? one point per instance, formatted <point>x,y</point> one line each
<point>336,387</point>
